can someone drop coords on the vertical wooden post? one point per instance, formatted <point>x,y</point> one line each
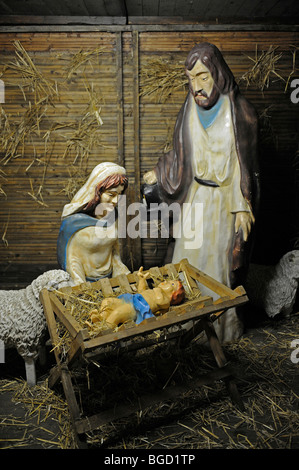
<point>135,45</point>
<point>120,99</point>
<point>120,118</point>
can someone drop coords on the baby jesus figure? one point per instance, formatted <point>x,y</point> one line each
<point>144,304</point>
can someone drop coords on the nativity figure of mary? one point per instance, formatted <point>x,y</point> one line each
<point>88,245</point>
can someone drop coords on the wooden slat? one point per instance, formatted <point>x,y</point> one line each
<point>106,287</point>
<point>135,51</point>
<point>156,273</point>
<point>171,270</point>
<point>52,327</point>
<point>63,19</point>
<point>66,319</point>
<point>208,281</point>
<point>124,283</point>
<point>120,100</point>
<point>191,283</point>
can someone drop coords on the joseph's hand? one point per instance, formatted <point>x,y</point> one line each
<point>244,220</point>
<point>150,177</point>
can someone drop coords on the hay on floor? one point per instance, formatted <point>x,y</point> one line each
<point>42,405</point>
<point>201,419</point>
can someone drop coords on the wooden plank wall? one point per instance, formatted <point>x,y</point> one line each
<point>134,132</point>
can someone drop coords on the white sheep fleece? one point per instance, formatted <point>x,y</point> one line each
<point>274,288</point>
<point>22,320</point>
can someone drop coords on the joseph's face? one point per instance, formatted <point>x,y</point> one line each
<point>201,84</point>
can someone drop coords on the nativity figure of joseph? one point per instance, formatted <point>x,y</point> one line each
<point>213,162</point>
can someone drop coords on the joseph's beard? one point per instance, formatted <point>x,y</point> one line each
<point>204,100</point>
<point>201,98</point>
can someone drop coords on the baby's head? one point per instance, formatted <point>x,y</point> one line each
<point>176,289</point>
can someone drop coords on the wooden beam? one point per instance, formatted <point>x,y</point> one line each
<point>135,46</point>
<point>62,20</point>
<point>153,22</point>
<point>208,281</point>
<point>67,319</point>
<point>51,322</point>
<point>116,27</point>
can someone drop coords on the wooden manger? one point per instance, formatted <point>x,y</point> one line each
<point>181,323</point>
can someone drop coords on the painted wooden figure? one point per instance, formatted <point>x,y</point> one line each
<point>213,166</point>
<point>87,245</point>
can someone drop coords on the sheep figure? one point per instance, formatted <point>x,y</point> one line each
<point>22,320</point>
<point>274,288</point>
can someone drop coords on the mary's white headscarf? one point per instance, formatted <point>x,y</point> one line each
<point>86,193</point>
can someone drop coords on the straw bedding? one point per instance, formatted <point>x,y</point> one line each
<point>43,406</point>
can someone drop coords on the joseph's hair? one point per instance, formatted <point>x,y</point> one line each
<point>213,59</point>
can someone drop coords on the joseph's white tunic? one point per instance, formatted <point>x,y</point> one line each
<point>214,158</point>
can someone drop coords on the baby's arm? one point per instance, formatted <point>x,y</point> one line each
<point>142,284</point>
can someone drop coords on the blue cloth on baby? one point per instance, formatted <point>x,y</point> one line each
<point>140,305</point>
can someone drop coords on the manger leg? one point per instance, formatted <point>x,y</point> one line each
<point>190,334</point>
<point>214,343</point>
<point>221,362</point>
<point>71,401</point>
<point>69,393</point>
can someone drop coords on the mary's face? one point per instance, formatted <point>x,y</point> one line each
<point>109,200</point>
